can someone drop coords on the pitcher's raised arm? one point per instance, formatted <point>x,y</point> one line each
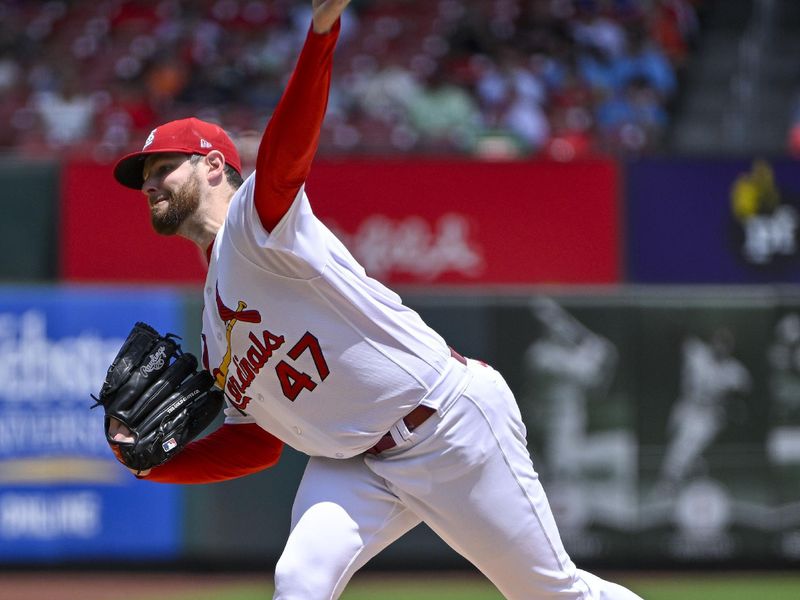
<point>292,135</point>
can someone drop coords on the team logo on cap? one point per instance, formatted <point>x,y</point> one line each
<point>150,139</point>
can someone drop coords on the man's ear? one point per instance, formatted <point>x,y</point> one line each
<point>216,167</point>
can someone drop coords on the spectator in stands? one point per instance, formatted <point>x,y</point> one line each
<point>511,97</point>
<point>674,26</point>
<point>136,105</point>
<point>645,60</point>
<point>632,120</point>
<point>527,121</point>
<point>571,119</point>
<point>443,114</point>
<point>592,29</point>
<point>597,69</point>
<point>492,88</point>
<point>165,80</point>
<point>386,91</point>
<point>67,113</point>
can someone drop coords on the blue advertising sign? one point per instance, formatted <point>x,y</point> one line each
<point>713,221</point>
<point>62,494</point>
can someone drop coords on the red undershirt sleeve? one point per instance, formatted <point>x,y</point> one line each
<point>292,135</point>
<point>233,450</point>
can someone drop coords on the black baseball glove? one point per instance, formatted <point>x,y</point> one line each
<point>154,389</point>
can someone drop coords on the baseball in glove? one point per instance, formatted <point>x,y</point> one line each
<point>154,389</point>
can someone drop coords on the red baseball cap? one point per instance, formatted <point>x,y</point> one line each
<point>187,136</point>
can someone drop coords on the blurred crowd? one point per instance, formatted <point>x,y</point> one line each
<point>496,78</point>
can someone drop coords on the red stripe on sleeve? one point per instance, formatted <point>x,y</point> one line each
<point>292,135</point>
<point>229,452</point>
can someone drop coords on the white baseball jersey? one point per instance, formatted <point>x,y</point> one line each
<point>304,343</point>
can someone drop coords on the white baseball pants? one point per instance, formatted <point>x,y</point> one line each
<point>468,475</point>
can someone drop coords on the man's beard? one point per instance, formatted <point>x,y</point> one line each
<point>181,204</point>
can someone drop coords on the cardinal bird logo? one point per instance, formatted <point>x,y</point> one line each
<point>230,318</point>
<point>236,373</point>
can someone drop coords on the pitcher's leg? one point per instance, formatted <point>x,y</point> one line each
<point>606,590</point>
<point>342,516</point>
<point>472,481</point>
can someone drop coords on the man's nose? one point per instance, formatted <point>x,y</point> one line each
<point>149,186</point>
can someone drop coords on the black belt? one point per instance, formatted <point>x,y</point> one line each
<point>412,420</point>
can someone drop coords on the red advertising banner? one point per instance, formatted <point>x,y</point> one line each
<point>462,222</point>
<point>408,222</point>
<point>106,233</point>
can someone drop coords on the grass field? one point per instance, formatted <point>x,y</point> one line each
<point>661,586</point>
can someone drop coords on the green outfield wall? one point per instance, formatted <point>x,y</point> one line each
<point>30,227</point>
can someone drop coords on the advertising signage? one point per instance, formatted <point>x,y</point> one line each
<point>713,221</point>
<point>431,222</point>
<point>63,497</point>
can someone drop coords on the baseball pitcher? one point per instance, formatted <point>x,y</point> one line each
<point>310,351</point>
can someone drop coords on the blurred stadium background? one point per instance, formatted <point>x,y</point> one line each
<point>598,196</point>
